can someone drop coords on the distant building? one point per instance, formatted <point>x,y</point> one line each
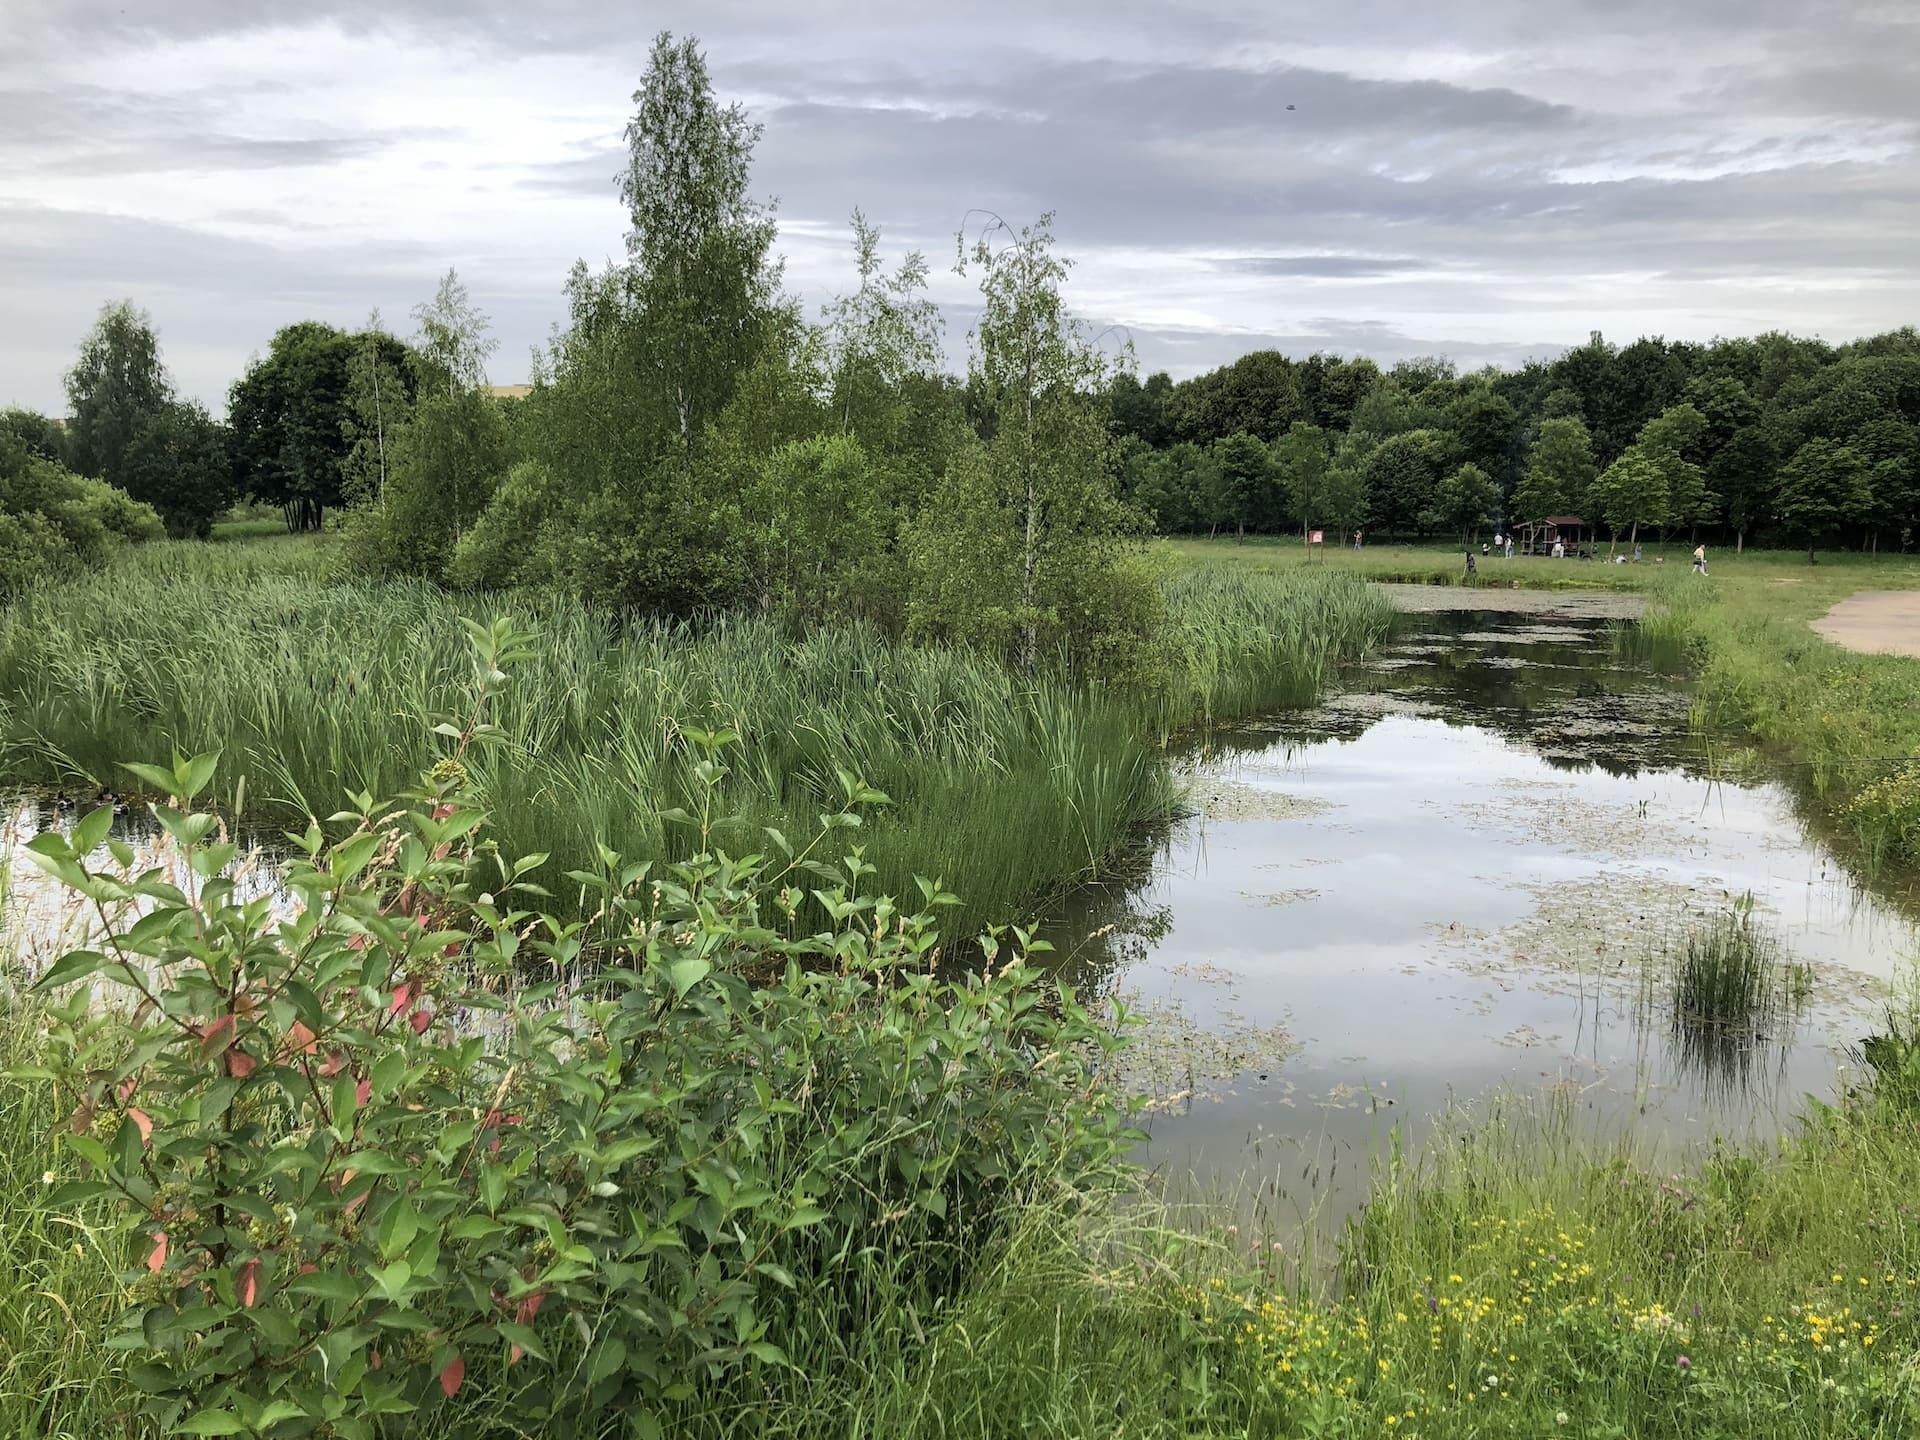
<point>509,392</point>
<point>1538,535</point>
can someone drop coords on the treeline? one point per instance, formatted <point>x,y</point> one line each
<point>1774,438</point>
<point>693,442</point>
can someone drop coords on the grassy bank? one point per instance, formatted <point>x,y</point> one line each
<point>1845,726</point>
<point>310,688</point>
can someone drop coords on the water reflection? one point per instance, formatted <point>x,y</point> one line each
<point>1468,872</point>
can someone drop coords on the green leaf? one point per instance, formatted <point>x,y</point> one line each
<point>91,832</point>
<point>89,1150</point>
<point>70,967</point>
<point>199,771</point>
<point>74,1192</point>
<point>392,1279</point>
<point>685,973</point>
<point>325,1285</point>
<point>212,1422</point>
<point>398,1226</point>
<point>158,780</point>
<point>607,1360</point>
<point>277,1411</point>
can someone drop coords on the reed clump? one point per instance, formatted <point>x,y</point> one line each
<point>1001,784</point>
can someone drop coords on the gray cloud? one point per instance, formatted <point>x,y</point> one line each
<point>1310,267</point>
<point>1375,177</point>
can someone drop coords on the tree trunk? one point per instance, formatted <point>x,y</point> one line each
<point>1739,542</point>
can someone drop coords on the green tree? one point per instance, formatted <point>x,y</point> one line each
<point>1403,477</point>
<point>447,455</point>
<point>1464,501</point>
<point>1485,428</point>
<point>290,423</point>
<point>381,375</point>
<point>116,385</point>
<point>177,463</point>
<point>1630,493</point>
<point>1674,441</point>
<point>1243,480</point>
<point>1822,489</point>
<point>1559,470</point>
<point>1300,465</point>
<point>697,243</point>
<point>878,338</point>
<point>40,434</point>
<point>815,508</point>
<point>1023,543</point>
<point>1890,446</point>
<point>635,444</point>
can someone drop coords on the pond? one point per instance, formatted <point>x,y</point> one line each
<point>1466,874</point>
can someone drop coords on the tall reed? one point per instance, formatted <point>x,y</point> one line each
<point>1001,784</point>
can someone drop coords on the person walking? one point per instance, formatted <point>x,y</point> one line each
<point>1509,547</point>
<point>1470,566</point>
<point>1356,539</point>
<point>1700,557</point>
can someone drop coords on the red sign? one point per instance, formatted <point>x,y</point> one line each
<point>1316,537</point>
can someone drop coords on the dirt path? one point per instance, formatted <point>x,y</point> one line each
<point>1875,622</point>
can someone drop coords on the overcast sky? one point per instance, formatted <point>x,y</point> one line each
<point>1489,181</point>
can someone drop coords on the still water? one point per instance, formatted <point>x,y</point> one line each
<point>1463,876</point>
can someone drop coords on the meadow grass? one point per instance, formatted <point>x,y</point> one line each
<point>311,688</point>
<point>63,1292</point>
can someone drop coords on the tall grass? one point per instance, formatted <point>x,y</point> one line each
<point>1247,641</point>
<point>1001,784</point>
<point>63,1293</point>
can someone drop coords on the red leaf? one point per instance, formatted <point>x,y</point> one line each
<point>300,1038</point>
<point>158,1255</point>
<point>362,1091</point>
<point>142,1122</point>
<point>528,1307</point>
<point>420,1020</point>
<point>215,1035</point>
<point>249,1287</point>
<point>332,1065</point>
<point>443,810</point>
<point>240,1064</point>
<point>402,993</point>
<point>373,1358</point>
<point>451,1377</point>
<point>127,1087</point>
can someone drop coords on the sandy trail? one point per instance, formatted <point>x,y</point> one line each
<point>1875,622</point>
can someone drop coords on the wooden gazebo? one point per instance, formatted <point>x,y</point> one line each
<point>1538,536</point>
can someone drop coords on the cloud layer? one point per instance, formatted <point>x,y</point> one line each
<point>1226,174</point>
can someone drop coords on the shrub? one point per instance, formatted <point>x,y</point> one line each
<point>390,1135</point>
